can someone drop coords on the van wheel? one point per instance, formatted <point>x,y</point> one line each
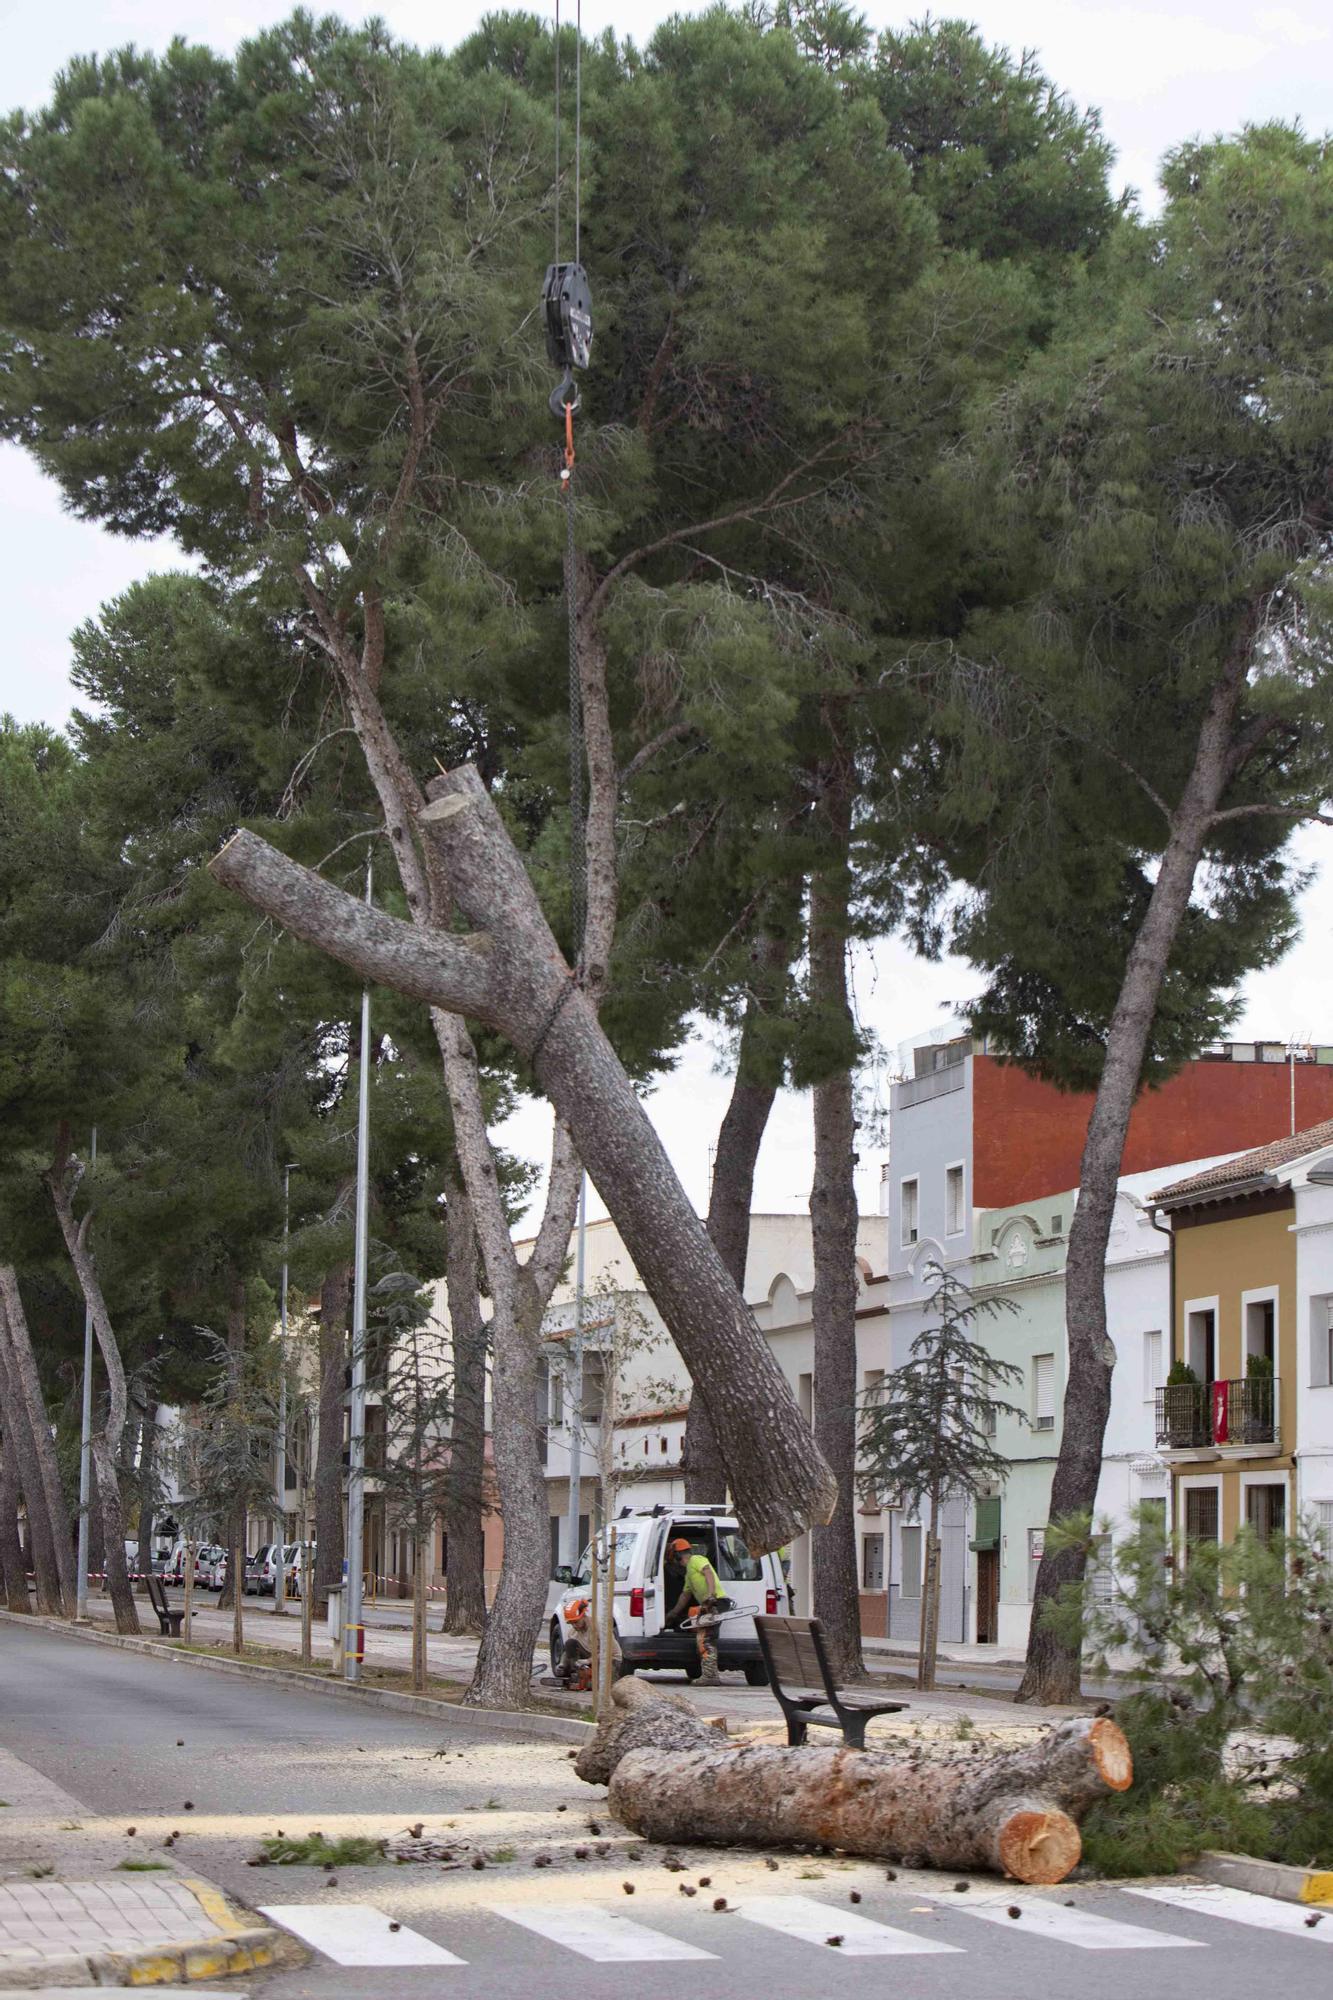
<point>756,1674</point>
<point>557,1647</point>
<point>623,1671</point>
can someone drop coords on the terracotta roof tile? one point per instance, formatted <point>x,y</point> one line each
<point>1249,1166</point>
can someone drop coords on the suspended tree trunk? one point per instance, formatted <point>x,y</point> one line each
<point>833,1224</point>
<point>13,1574</point>
<point>334,1305</point>
<point>731,1197</point>
<point>672,1778</point>
<point>47,1507</point>
<point>1052,1670</point>
<point>515,979</point>
<point>464,1509</point>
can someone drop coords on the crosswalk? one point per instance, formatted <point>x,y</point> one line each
<point>359,1934</point>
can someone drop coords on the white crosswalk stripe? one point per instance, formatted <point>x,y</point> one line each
<point>1239,1906</point>
<point>597,1934</point>
<point>815,1923</point>
<point>357,1934</point>
<point>1084,1928</point>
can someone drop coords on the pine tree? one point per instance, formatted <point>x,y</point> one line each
<point>927,1432</point>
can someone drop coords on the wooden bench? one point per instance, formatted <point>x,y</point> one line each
<point>798,1667</point>
<point>169,1620</point>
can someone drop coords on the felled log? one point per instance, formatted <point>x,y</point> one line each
<point>1015,1811</point>
<point>509,974</point>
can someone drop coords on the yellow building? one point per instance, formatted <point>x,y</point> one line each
<point>1226,1419</point>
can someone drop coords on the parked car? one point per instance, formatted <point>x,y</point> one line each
<point>261,1569</point>
<point>754,1584</point>
<point>212,1568</point>
<point>299,1558</point>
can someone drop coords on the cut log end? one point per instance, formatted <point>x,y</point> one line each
<point>1111,1754</point>
<point>1039,1847</point>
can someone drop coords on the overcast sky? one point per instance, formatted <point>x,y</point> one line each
<point>1158,74</point>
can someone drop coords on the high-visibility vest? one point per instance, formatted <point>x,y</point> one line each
<point>701,1579</point>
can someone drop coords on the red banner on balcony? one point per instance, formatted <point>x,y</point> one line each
<point>1220,1432</point>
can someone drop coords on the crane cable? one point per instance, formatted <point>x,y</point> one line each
<point>567,310</point>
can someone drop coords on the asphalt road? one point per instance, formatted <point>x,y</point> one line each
<point>138,1738</point>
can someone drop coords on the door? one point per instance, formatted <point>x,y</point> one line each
<point>988,1597</point>
<point>1266,1510</point>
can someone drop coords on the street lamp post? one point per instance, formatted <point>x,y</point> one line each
<point>85,1447</point>
<point>576,1386</point>
<point>353,1629</point>
<point>280,1579</point>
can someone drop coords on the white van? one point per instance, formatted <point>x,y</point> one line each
<point>754,1584</point>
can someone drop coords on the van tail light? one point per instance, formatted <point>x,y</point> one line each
<point>771,1604</point>
<point>636,1602</point>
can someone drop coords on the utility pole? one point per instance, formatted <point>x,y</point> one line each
<point>280,1580</point>
<point>576,1384</point>
<point>85,1447</point>
<point>353,1629</point>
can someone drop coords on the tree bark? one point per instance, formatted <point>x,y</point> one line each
<point>779,1479</point>
<point>52,1539</point>
<point>147,1485</point>
<point>673,1779</point>
<point>731,1197</point>
<point>107,1440</point>
<point>13,1574</point>
<point>334,1305</point>
<point>833,1223</point>
<point>464,1506</point>
<point>1052,1670</point>
<point>23,1469</point>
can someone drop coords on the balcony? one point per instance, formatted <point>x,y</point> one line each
<point>1232,1419</point>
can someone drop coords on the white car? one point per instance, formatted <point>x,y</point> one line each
<point>754,1584</point>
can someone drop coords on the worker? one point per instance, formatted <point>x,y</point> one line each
<point>701,1599</point>
<point>576,1663</point>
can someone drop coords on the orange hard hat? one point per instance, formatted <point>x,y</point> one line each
<point>577,1610</point>
<point>681,1543</point>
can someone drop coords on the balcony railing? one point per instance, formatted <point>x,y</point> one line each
<point>1194,1416</point>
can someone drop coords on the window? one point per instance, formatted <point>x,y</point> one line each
<point>805,1396</point>
<point>1043,1392</point>
<point>735,1564</point>
<point>911,1562</point>
<point>555,1395</point>
<point>1057,1225</point>
<point>1101,1573</point>
<point>1266,1510</point>
<point>1201,1342</point>
<point>1152,1365</point>
<point>953,1201</point>
<point>1323,1513</point>
<point>1321,1343</point>
<point>872,1562</point>
<point>1200,1513</point>
<point>911,1229</point>
<point>1260,1329</point>
<point>874,1387</point>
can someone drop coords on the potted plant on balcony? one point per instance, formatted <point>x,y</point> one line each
<point>1259,1400</point>
<point>1182,1408</point>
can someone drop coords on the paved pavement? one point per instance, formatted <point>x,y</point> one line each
<point>166,1748</point>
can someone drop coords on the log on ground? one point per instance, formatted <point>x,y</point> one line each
<point>1015,1812</point>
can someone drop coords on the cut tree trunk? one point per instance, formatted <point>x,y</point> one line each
<point>1016,1812</point>
<point>108,1438</point>
<point>516,981</point>
<point>833,1224</point>
<point>731,1197</point>
<point>1052,1672</point>
<point>334,1305</point>
<point>464,1509</point>
<point>52,1539</point>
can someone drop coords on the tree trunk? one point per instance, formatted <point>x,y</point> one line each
<point>48,1513</point>
<point>928,1649</point>
<point>419,1608</point>
<point>36,1551</point>
<point>1052,1671</point>
<point>13,1573</point>
<point>731,1197</point>
<point>147,1486</point>
<point>516,981</point>
<point>236,1579</point>
<point>464,1507</point>
<point>334,1306</point>
<point>833,1222</point>
<point>673,1779</point>
<point>106,1441</point>
<point>503,1676</point>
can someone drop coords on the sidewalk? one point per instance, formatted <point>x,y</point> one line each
<point>72,1913</point>
<point>952,1656</point>
<point>449,1659</point>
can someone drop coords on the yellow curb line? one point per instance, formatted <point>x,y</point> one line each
<point>215,1906</point>
<point>1318,1886</point>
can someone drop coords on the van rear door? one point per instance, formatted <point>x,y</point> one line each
<point>746,1579</point>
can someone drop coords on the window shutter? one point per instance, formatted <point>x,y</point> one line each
<point>1043,1391</point>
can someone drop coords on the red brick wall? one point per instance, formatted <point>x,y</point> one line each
<point>1027,1137</point>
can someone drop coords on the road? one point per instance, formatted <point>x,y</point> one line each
<point>138,1738</point>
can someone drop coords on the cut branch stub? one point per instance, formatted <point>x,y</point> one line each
<point>515,980</point>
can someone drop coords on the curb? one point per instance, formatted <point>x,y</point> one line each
<point>237,1945</point>
<point>1266,1878</point>
<point>485,1721</point>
